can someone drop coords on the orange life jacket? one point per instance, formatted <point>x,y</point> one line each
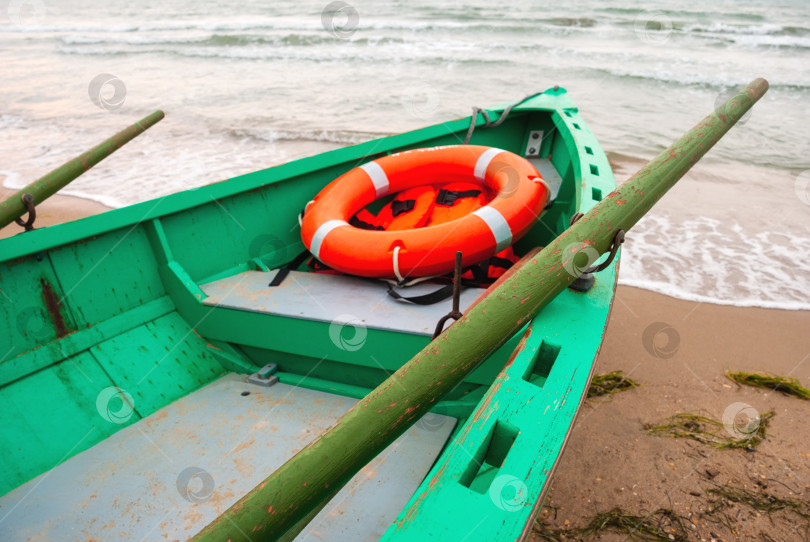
<point>468,198</point>
<point>426,206</point>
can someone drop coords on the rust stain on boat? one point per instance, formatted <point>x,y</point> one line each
<point>53,306</point>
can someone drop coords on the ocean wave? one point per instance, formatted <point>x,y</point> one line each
<point>224,40</point>
<point>684,13</point>
<point>706,78</point>
<point>11,179</point>
<point>409,48</point>
<point>584,22</point>
<point>760,35</point>
<point>342,137</point>
<point>9,121</point>
<point>410,53</point>
<point>163,27</point>
<point>708,260</point>
<point>309,24</point>
<point>761,40</point>
<point>126,39</point>
<point>768,29</point>
<point>506,25</point>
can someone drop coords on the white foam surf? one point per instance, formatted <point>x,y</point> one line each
<point>707,260</point>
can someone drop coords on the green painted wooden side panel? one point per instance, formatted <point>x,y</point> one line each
<point>111,275</point>
<point>159,362</point>
<point>493,474</point>
<point>52,352</point>
<point>236,229</point>
<point>26,287</point>
<point>51,416</point>
<point>287,339</point>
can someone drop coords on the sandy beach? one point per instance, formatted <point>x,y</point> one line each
<point>610,461</point>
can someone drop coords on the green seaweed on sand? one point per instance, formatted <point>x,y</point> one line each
<point>663,524</point>
<point>713,432</point>
<point>783,384</point>
<point>759,500</point>
<point>610,383</point>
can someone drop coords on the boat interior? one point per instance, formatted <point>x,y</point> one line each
<point>155,378</point>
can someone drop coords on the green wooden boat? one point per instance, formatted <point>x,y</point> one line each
<point>150,379</point>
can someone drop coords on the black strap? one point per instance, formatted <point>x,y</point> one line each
<point>449,197</point>
<point>441,294</point>
<point>480,274</point>
<point>398,207</point>
<point>285,269</point>
<point>357,223</point>
<point>480,279</point>
<point>503,263</point>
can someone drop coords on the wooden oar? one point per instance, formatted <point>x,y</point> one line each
<point>302,484</point>
<point>38,191</point>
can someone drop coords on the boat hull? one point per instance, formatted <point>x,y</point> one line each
<point>118,301</point>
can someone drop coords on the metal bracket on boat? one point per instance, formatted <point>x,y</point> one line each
<point>264,376</point>
<point>533,146</point>
<point>618,239</point>
<point>455,314</point>
<point>574,218</point>
<point>28,201</point>
<point>585,281</point>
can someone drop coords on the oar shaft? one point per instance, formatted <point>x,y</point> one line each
<point>311,477</point>
<point>44,187</point>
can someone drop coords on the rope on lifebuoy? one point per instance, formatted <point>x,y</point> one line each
<point>397,274</point>
<point>301,214</point>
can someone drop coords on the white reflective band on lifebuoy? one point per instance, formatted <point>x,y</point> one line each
<point>483,163</point>
<point>321,233</point>
<point>497,224</point>
<point>378,177</point>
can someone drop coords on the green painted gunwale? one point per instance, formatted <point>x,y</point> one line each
<point>129,282</point>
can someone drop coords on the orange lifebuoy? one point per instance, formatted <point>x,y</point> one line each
<point>520,195</point>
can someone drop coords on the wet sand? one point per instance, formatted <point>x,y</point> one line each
<point>610,461</point>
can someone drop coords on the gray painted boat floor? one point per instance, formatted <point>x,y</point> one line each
<point>128,487</point>
<point>328,298</point>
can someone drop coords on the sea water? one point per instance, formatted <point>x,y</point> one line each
<point>250,84</point>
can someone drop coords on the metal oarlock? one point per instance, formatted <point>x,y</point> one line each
<point>28,201</point>
<point>455,314</point>
<point>585,281</point>
<point>618,239</point>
